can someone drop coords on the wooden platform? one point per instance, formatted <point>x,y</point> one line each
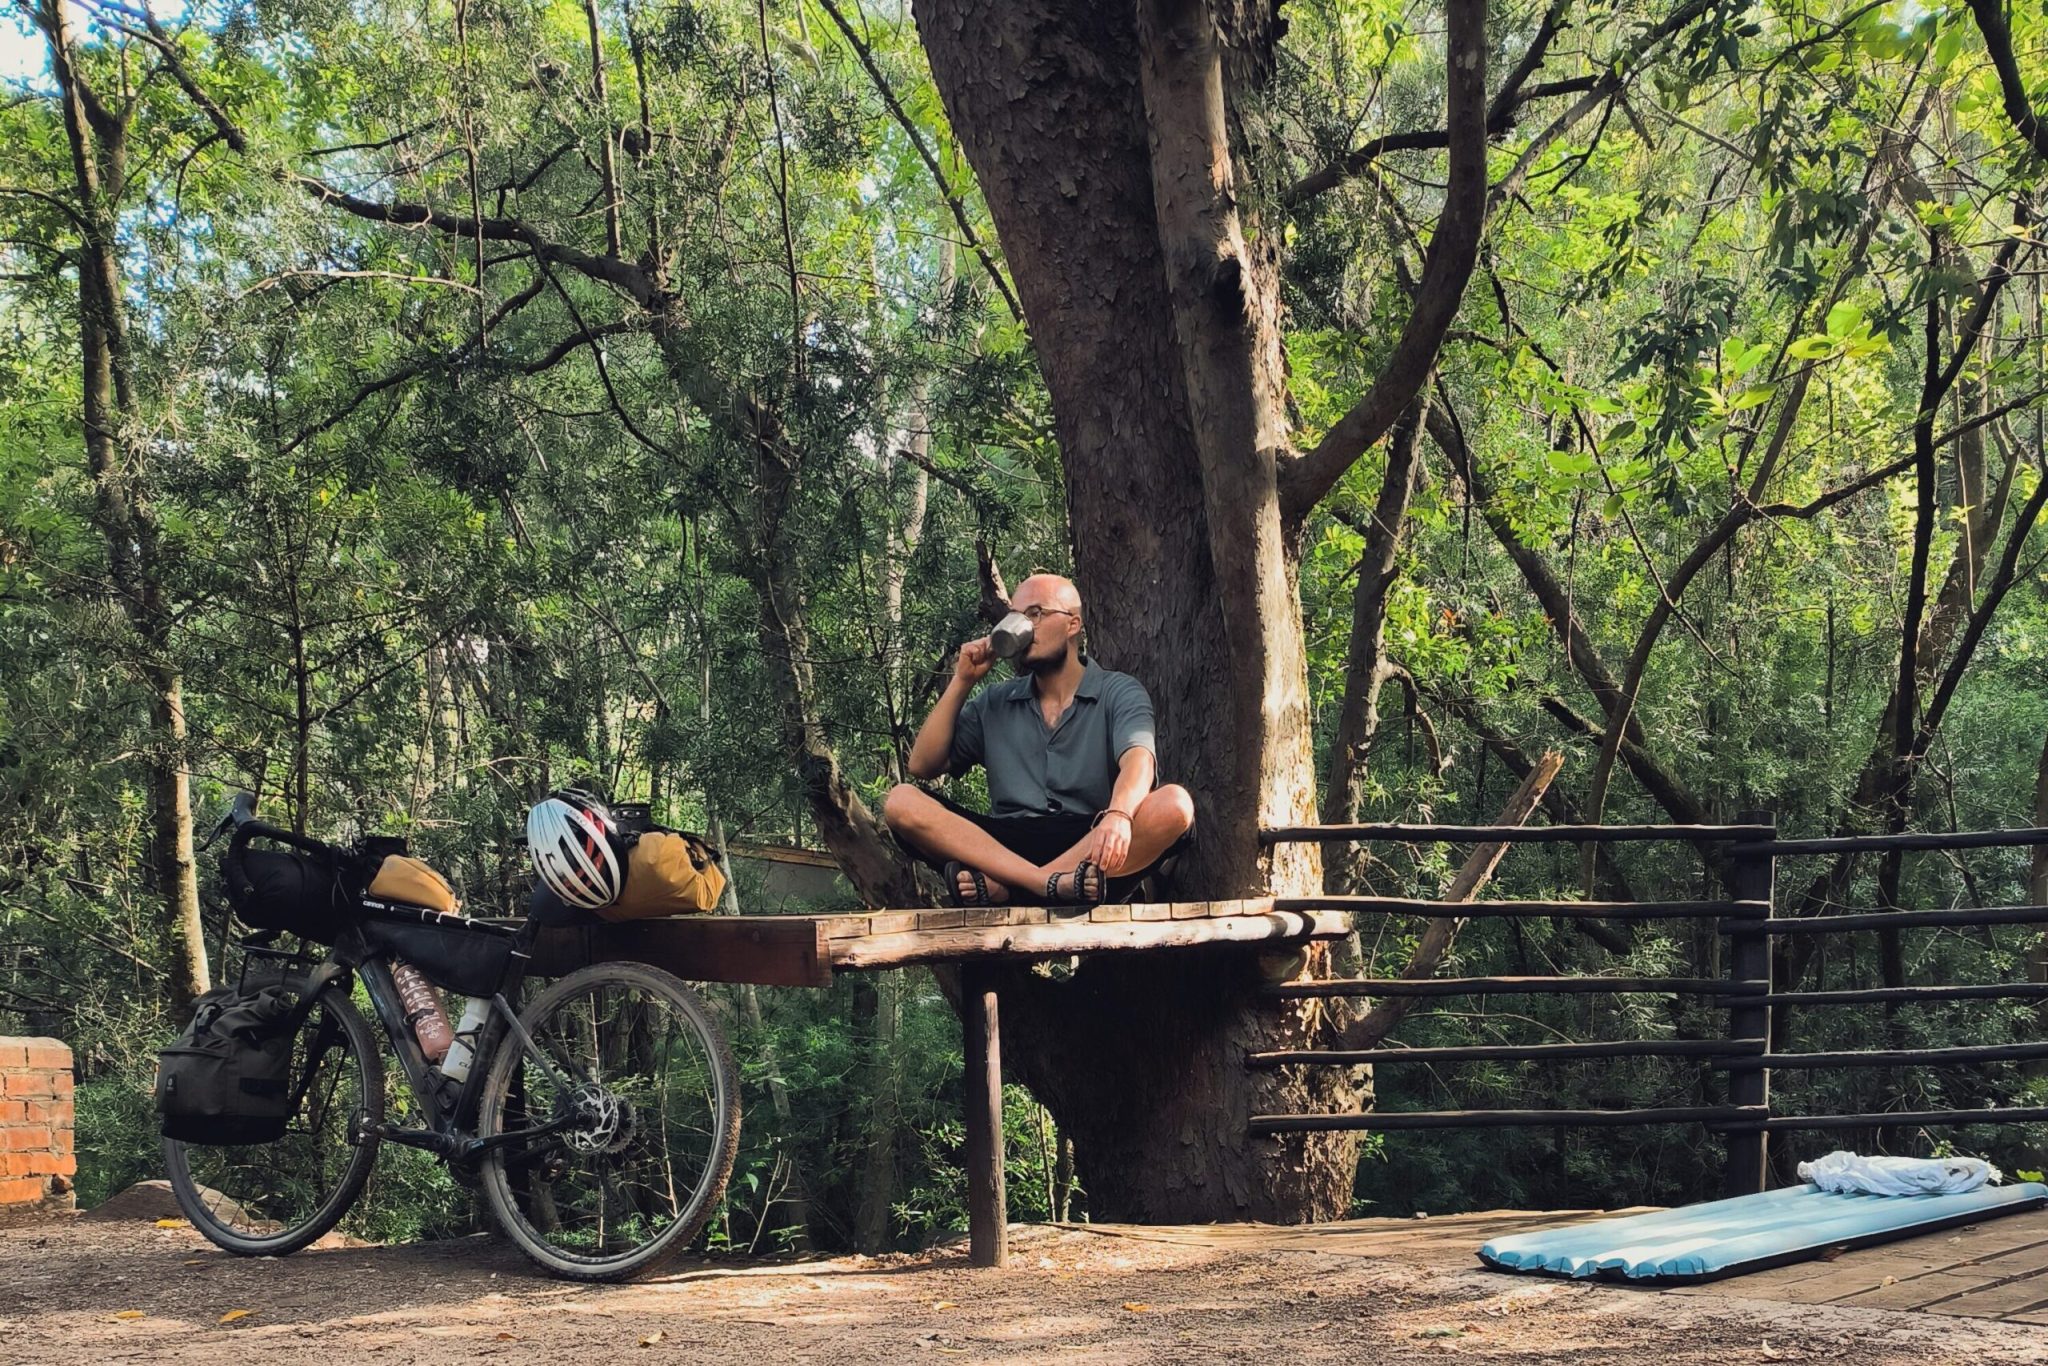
<point>806,950</point>
<point>1994,1270</point>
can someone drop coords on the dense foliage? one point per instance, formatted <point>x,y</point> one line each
<point>443,328</point>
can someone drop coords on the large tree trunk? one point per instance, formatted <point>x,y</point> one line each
<point>1188,583</point>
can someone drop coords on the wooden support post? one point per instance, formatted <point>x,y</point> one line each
<point>1750,880</point>
<point>988,1211</point>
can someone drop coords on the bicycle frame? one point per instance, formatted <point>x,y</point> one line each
<point>451,1133</point>
<point>451,1130</point>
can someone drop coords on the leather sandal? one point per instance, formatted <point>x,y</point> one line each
<point>977,897</point>
<point>1086,883</point>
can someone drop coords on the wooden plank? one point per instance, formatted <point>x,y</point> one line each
<point>1844,844</point>
<point>1145,911</point>
<point>1514,986</point>
<point>2020,1261</point>
<point>1863,1287</point>
<point>940,920</point>
<point>845,926</point>
<point>892,922</point>
<point>1996,1237</point>
<point>1525,910</point>
<point>1373,1121</point>
<point>2012,1115</point>
<point>1895,1057</point>
<point>1897,920</point>
<point>1090,936</point>
<point>988,1233</point>
<point>2025,1294</point>
<point>1512,834</point>
<point>1875,995</point>
<point>1114,914</point>
<point>767,950</point>
<point>1524,1052</point>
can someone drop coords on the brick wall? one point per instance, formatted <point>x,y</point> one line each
<point>36,1158</point>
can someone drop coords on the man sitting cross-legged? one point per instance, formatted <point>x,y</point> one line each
<point>1069,752</point>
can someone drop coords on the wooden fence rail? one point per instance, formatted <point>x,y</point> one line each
<point>1743,1055</point>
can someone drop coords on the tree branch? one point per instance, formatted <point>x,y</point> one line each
<point>931,162</point>
<point>1990,16</point>
<point>1453,252</point>
<point>1504,111</point>
<point>623,275</point>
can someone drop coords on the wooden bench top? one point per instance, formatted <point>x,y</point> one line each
<point>805,950</point>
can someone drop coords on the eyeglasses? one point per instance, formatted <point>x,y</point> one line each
<point>1038,614</point>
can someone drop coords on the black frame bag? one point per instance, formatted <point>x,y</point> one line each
<point>227,1079</point>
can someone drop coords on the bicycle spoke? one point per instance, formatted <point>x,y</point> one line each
<point>651,1129</point>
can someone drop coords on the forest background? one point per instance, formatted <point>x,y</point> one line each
<point>368,440</point>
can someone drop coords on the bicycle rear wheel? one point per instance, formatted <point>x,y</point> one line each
<point>642,1084</point>
<point>269,1199</point>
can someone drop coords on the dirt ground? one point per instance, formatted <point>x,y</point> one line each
<point>124,1289</point>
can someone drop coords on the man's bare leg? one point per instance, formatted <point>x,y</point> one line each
<point>916,817</point>
<point>1164,816</point>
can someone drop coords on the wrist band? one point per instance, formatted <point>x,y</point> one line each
<point>1112,811</point>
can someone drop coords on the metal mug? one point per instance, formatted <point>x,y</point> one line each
<point>1012,636</point>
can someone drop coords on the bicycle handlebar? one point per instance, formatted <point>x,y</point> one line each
<point>242,816</point>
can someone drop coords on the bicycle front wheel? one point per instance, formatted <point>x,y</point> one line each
<point>269,1199</point>
<point>635,1107</point>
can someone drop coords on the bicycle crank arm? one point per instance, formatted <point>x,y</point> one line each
<point>443,1145</point>
<point>470,1149</point>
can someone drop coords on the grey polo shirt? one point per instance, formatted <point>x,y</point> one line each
<point>1070,768</point>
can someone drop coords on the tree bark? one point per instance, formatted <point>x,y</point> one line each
<point>1103,142</point>
<point>98,138</point>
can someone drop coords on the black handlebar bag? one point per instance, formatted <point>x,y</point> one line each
<point>227,1079</point>
<point>283,889</point>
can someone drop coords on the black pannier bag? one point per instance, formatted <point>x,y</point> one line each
<point>227,1079</point>
<point>282,889</point>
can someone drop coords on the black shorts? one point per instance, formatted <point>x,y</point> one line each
<point>1041,839</point>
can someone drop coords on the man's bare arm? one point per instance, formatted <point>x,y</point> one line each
<point>932,751</point>
<point>1134,774</point>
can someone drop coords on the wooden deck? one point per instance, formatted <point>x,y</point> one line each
<point>1994,1270</point>
<point>807,950</point>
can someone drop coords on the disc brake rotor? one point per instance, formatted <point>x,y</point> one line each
<point>605,1122</point>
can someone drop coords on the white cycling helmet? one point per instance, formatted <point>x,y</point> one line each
<point>575,848</point>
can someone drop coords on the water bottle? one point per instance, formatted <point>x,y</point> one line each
<point>423,1010</point>
<point>1012,636</point>
<point>455,1067</point>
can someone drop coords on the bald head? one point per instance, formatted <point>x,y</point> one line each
<point>1056,634</point>
<point>1047,590</point>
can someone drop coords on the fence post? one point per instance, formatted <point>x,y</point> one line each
<point>1750,878</point>
<point>988,1211</point>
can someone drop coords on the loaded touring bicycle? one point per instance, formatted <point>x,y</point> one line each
<point>599,1122</point>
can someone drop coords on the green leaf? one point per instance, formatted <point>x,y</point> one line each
<point>1843,319</point>
<point>1810,348</point>
<point>1949,46</point>
<point>1755,396</point>
<point>1570,462</point>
